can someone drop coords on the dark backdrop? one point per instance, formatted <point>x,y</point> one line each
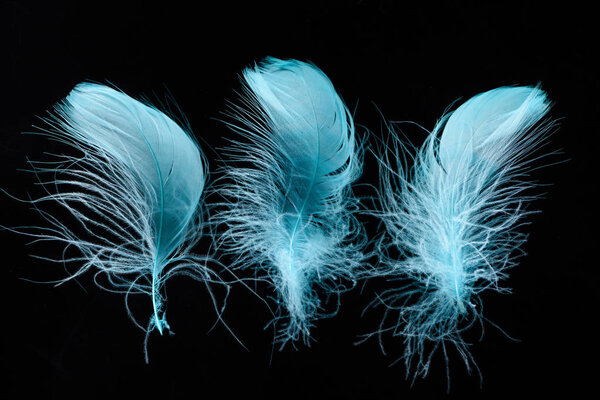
<point>411,61</point>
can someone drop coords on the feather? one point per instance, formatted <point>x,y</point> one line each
<point>454,218</point>
<point>289,209</point>
<point>134,194</point>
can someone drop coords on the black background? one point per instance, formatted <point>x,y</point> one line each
<point>409,61</point>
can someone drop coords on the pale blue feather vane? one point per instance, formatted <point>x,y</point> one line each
<point>454,217</point>
<point>289,210</point>
<point>135,193</point>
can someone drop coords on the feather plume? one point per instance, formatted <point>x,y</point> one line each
<point>454,218</point>
<point>289,210</point>
<point>133,195</point>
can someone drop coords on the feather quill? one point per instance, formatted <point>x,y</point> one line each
<point>134,194</point>
<point>454,218</point>
<point>289,210</point>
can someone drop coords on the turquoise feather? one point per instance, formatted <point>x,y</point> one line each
<point>289,213</point>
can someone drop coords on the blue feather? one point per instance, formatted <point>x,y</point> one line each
<point>454,218</point>
<point>289,211</point>
<point>135,193</point>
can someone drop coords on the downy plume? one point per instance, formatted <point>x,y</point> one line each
<point>133,195</point>
<point>453,220</point>
<point>289,208</point>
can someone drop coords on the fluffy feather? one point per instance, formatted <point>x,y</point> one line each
<point>289,210</point>
<point>134,194</point>
<point>454,218</point>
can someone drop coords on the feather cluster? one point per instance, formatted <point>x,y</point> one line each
<point>135,208</point>
<point>454,217</point>
<point>289,210</point>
